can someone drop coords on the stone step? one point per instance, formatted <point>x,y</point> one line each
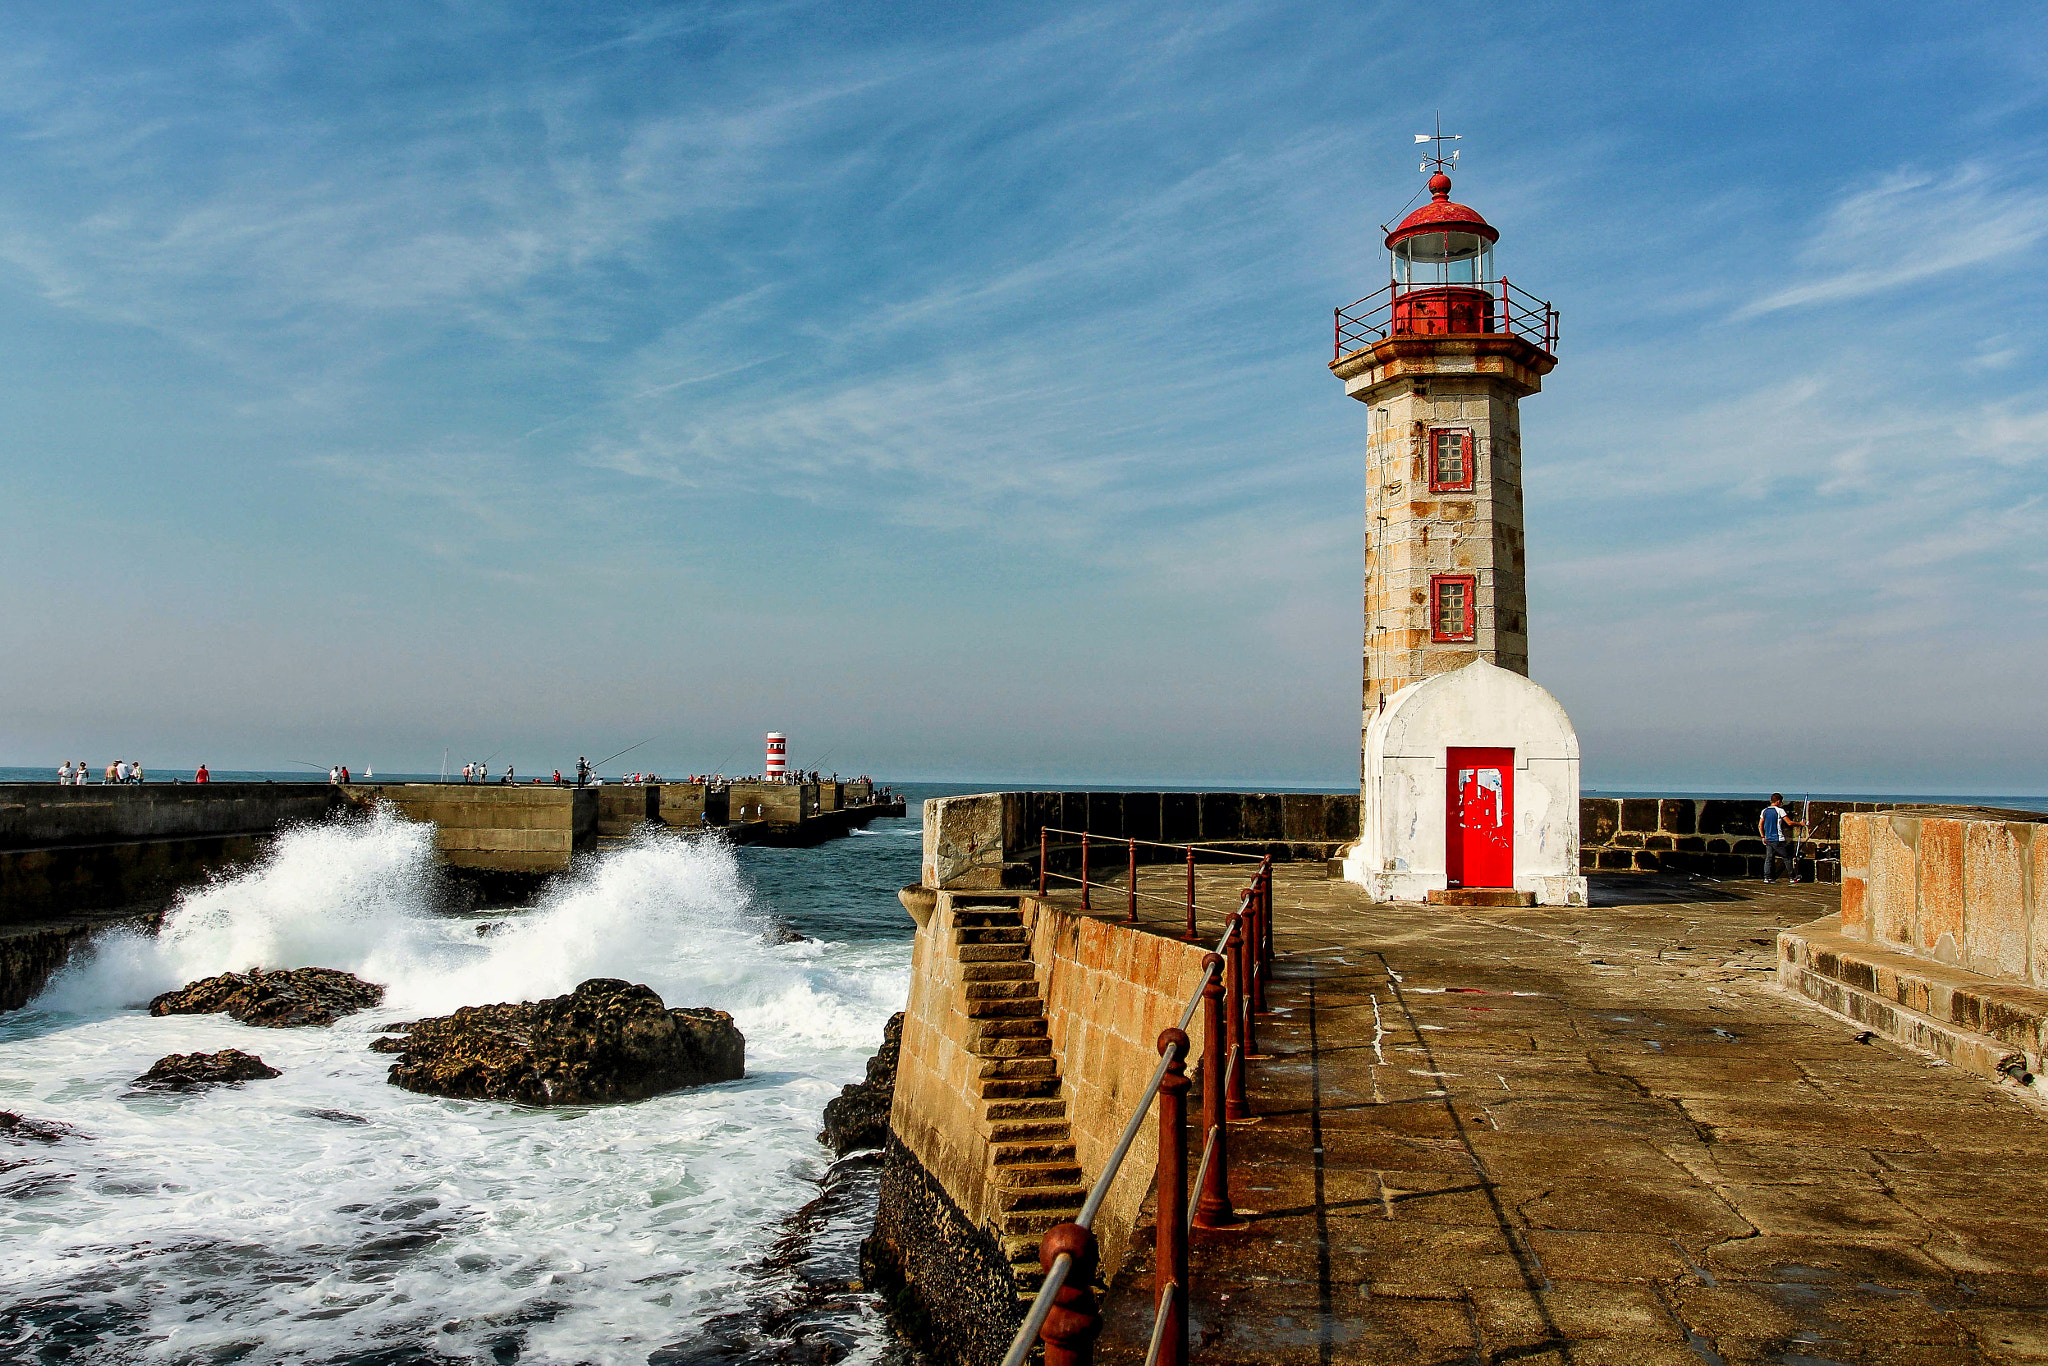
<point>1020,1250</point>
<point>1019,1174</point>
<point>1008,1029</point>
<point>987,915</point>
<point>992,934</point>
<point>1005,1008</point>
<point>1034,1222</point>
<point>996,953</point>
<point>1012,987</point>
<point>1037,1152</point>
<point>997,972</point>
<point>1021,1088</point>
<point>1063,1200</point>
<point>1014,1048</point>
<point>1003,1132</point>
<point>1011,1111</point>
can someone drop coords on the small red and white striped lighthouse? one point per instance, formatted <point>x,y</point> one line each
<point>778,755</point>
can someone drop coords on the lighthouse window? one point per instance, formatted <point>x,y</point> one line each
<point>1452,611</point>
<point>1451,466</point>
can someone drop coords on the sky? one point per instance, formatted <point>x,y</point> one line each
<point>947,385</point>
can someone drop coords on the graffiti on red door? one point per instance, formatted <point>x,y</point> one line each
<point>1479,824</point>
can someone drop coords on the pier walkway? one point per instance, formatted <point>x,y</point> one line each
<point>1601,1135</point>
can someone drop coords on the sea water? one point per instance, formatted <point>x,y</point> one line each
<point>328,1216</point>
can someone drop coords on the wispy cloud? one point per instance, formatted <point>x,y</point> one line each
<point>1910,227</point>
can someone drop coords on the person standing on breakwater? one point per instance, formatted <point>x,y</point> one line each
<point>202,776</point>
<point>1776,828</point>
<point>64,774</point>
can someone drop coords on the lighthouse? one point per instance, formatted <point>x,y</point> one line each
<point>1469,772</point>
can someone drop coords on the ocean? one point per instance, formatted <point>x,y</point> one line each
<point>327,1216</point>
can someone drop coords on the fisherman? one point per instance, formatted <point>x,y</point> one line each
<point>1776,828</point>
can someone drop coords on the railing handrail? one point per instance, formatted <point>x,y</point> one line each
<point>1195,845</point>
<point>1056,1274</point>
<point>1522,314</point>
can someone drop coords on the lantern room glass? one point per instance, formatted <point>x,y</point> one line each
<point>1443,258</point>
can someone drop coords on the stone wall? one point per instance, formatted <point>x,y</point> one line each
<point>992,839</point>
<point>954,1244</point>
<point>781,802</point>
<point>623,808</point>
<point>1109,991</point>
<point>1968,893</point>
<point>36,815</point>
<point>1942,939</point>
<point>1717,837</point>
<point>66,850</point>
<point>504,829</point>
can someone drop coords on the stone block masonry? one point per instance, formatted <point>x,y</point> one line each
<point>992,839</point>
<point>1942,939</point>
<point>1027,1034</point>
<point>66,850</point>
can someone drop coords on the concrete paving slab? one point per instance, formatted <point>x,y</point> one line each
<point>1601,1135</point>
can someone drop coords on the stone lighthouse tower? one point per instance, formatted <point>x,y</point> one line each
<point>1442,358</point>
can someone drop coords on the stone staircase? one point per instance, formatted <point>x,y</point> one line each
<point>1023,1115</point>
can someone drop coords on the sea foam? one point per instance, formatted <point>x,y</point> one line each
<point>326,1214</point>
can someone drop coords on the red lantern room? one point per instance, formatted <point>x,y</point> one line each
<point>1443,281</point>
<point>1443,267</point>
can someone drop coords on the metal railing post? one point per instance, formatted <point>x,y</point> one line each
<point>1212,1207</point>
<point>1234,1106</point>
<point>1075,1321</point>
<point>1262,883</point>
<point>1132,878</point>
<point>1084,872</point>
<point>1170,1262</point>
<point>1042,839</point>
<point>1190,935</point>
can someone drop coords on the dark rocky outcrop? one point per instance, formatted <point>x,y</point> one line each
<point>859,1116</point>
<point>608,1040</point>
<point>277,1000</point>
<point>21,1129</point>
<point>181,1071</point>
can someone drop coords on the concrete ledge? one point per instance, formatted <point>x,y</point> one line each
<point>1995,1029</point>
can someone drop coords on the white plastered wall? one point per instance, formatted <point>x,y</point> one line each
<point>1400,852</point>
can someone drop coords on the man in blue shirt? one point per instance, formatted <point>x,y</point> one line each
<point>1776,828</point>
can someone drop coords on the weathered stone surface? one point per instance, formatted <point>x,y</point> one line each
<point>608,1040</point>
<point>275,1000</point>
<point>946,1282</point>
<point>181,1071</point>
<point>859,1116</point>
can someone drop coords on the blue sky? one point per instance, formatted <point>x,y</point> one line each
<point>946,385</point>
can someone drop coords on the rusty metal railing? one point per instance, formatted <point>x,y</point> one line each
<point>1064,1316</point>
<point>1436,310</point>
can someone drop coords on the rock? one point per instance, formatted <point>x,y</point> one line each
<point>182,1070</point>
<point>296,996</point>
<point>19,1129</point>
<point>779,932</point>
<point>608,1040</point>
<point>859,1116</point>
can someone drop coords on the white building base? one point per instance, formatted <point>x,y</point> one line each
<point>1400,855</point>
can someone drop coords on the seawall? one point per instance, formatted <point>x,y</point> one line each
<point>1027,1034</point>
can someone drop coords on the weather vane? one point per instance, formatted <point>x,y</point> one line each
<point>1442,163</point>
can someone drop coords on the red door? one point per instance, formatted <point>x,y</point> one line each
<point>1479,824</point>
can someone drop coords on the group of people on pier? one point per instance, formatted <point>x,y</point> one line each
<point>120,771</point>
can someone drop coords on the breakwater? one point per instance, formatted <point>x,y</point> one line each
<point>73,857</point>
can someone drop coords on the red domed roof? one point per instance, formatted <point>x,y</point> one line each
<point>1441,215</point>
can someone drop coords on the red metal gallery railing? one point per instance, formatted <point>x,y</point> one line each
<point>1487,308</point>
<point>1064,1316</point>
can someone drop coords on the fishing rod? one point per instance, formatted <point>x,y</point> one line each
<point>627,750</point>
